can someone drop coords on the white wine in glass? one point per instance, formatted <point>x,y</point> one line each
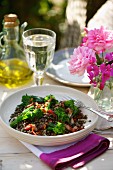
<point>39,46</point>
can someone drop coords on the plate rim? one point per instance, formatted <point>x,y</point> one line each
<point>57,78</point>
<point>41,137</point>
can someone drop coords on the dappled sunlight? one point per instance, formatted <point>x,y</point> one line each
<point>58,66</point>
<point>26,166</point>
<point>111,142</point>
<point>79,164</point>
<point>84,168</point>
<point>4,95</point>
<point>102,159</point>
<point>62,160</point>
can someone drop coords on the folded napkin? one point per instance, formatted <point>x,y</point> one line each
<point>72,155</point>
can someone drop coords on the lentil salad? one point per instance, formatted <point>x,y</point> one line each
<point>46,116</point>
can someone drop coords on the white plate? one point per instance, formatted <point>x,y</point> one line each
<point>9,104</point>
<point>59,71</point>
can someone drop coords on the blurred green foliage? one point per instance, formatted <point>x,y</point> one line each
<point>38,13</point>
<point>49,14</point>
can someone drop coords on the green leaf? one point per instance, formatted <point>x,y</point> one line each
<point>99,59</point>
<point>52,101</point>
<point>58,128</point>
<point>50,126</point>
<point>37,99</point>
<point>28,113</point>
<point>37,113</point>
<point>62,116</point>
<point>26,99</point>
<point>48,97</point>
<point>70,104</point>
<point>28,109</point>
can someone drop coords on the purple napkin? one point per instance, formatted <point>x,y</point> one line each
<point>77,154</point>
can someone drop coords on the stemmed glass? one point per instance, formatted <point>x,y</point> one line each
<point>39,46</point>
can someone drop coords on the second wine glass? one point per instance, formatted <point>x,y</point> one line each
<point>39,46</point>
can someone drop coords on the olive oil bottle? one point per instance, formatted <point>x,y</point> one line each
<point>14,70</point>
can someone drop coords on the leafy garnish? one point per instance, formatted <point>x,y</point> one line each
<point>48,115</point>
<point>48,97</point>
<point>26,99</point>
<point>70,104</point>
<point>29,113</point>
<point>51,101</point>
<point>58,128</point>
<point>62,116</point>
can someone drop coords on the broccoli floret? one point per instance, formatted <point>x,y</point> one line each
<point>57,128</point>
<point>52,101</point>
<point>48,97</point>
<point>71,105</point>
<point>62,116</point>
<point>29,113</point>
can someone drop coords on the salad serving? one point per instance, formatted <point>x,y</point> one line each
<point>46,116</point>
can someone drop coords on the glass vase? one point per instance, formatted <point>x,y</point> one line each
<point>104,98</point>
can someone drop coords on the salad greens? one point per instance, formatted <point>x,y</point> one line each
<point>62,116</point>
<point>58,128</point>
<point>47,116</point>
<point>71,105</point>
<point>29,113</point>
<point>26,99</point>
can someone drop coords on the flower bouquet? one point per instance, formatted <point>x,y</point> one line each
<point>94,56</point>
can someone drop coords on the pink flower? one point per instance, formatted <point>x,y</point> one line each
<point>109,56</point>
<point>93,71</point>
<point>102,84</point>
<point>91,56</point>
<point>105,71</point>
<point>81,58</point>
<point>98,39</point>
<point>111,74</point>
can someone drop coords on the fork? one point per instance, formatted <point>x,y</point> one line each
<point>100,113</point>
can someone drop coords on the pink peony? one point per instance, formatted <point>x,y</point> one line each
<point>92,57</point>
<point>98,39</point>
<point>81,58</point>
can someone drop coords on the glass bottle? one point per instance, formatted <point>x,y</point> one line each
<point>14,70</point>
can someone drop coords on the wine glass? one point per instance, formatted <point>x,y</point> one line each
<point>39,46</point>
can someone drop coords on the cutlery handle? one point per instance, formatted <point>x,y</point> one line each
<point>103,115</point>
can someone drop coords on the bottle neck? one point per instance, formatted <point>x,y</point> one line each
<point>12,34</point>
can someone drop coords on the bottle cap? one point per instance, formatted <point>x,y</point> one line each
<point>11,20</point>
